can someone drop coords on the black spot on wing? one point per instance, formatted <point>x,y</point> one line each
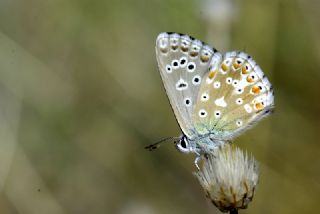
<point>182,85</point>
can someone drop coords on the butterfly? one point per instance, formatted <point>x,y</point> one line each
<point>215,97</point>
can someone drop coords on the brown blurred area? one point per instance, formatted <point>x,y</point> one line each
<point>80,97</point>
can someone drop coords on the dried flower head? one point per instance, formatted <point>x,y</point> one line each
<point>229,178</point>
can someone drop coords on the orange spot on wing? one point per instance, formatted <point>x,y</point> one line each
<point>244,70</point>
<point>174,47</point>
<point>249,79</point>
<point>164,50</point>
<point>194,53</point>
<point>184,49</point>
<point>256,89</point>
<point>204,58</point>
<point>259,106</point>
<point>224,67</point>
<point>212,74</point>
<point>236,65</point>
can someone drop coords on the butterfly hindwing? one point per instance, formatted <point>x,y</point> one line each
<point>233,96</point>
<point>183,62</point>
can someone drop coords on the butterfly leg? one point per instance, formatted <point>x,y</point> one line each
<point>198,158</point>
<point>196,162</point>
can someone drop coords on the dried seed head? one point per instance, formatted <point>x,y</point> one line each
<point>229,177</point>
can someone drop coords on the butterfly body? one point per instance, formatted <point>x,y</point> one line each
<point>200,145</point>
<point>215,97</point>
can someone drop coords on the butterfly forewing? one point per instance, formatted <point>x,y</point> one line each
<point>233,96</point>
<point>183,61</point>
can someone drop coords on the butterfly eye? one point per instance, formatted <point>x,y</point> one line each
<point>183,145</point>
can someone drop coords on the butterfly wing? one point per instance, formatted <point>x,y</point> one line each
<point>182,62</point>
<point>233,96</point>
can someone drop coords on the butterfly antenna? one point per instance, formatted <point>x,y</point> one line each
<point>153,146</point>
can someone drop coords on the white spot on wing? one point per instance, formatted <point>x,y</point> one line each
<point>216,84</point>
<point>163,42</point>
<point>209,81</point>
<point>220,102</point>
<point>248,108</point>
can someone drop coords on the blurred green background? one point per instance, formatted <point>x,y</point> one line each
<point>81,95</point>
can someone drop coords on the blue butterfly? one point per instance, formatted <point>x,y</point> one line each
<point>215,97</point>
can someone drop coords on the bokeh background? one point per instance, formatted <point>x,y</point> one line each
<point>81,95</point>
